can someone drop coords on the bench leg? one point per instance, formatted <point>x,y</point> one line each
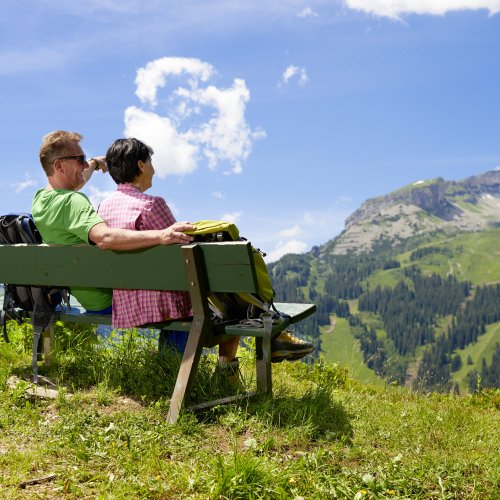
<point>200,327</point>
<point>263,357</point>
<point>47,344</point>
<point>37,333</point>
<point>187,370</point>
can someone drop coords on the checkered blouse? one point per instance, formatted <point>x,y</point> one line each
<point>128,208</point>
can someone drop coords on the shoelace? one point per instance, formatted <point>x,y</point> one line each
<point>277,318</point>
<point>292,338</point>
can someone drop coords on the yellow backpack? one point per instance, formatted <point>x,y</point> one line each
<point>210,231</point>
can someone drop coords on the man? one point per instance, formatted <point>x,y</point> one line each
<point>66,217</point>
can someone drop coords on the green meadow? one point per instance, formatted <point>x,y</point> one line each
<point>473,257</point>
<point>483,348</point>
<point>340,346</point>
<point>321,435</point>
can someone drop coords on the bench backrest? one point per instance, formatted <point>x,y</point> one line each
<point>229,267</point>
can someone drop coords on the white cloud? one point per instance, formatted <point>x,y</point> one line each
<point>99,6</point>
<point>201,12</point>
<point>396,8</point>
<point>22,185</point>
<point>173,153</point>
<point>174,209</point>
<point>226,136</point>
<point>97,195</point>
<point>296,73</point>
<point>290,232</point>
<point>311,228</point>
<point>342,200</point>
<point>218,195</point>
<point>307,12</point>
<point>154,75</point>
<point>285,247</point>
<point>323,225</point>
<point>232,217</point>
<point>202,121</point>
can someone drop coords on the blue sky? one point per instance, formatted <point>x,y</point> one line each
<point>283,116</point>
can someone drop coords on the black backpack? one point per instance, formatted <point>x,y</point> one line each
<point>17,228</point>
<point>39,301</point>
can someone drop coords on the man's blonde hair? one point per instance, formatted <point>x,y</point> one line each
<point>56,144</point>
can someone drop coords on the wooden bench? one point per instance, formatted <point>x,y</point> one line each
<point>197,268</point>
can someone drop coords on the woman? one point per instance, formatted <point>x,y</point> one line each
<point>129,164</point>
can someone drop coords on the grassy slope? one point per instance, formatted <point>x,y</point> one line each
<point>483,348</point>
<point>340,346</point>
<point>476,258</point>
<point>320,436</point>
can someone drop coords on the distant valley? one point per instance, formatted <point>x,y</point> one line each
<point>409,292</point>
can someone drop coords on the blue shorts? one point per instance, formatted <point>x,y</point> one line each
<point>175,339</point>
<point>108,310</point>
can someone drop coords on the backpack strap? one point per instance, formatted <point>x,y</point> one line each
<point>3,239</point>
<point>8,230</point>
<point>9,310</point>
<point>3,318</point>
<point>37,333</point>
<point>43,316</point>
<point>27,230</point>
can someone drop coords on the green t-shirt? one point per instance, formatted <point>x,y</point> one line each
<point>65,217</point>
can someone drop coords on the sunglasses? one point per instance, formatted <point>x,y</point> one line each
<point>80,158</point>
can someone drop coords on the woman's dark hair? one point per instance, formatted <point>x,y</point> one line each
<point>123,156</point>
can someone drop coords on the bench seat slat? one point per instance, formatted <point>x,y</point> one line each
<point>297,312</point>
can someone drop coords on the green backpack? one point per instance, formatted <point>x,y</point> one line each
<point>227,305</point>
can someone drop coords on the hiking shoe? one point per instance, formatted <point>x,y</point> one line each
<point>287,346</point>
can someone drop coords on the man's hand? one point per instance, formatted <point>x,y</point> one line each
<point>97,163</point>
<point>175,234</point>
<point>100,163</point>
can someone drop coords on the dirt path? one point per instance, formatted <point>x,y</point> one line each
<point>411,373</point>
<point>333,322</point>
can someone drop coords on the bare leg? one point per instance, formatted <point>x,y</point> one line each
<point>227,350</point>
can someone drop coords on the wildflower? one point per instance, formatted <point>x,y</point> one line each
<point>292,480</point>
<point>368,479</point>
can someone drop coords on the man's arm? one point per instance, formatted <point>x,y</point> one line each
<point>109,238</point>
<point>96,163</point>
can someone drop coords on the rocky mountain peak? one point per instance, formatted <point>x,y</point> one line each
<point>423,207</point>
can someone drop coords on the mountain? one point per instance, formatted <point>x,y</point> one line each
<point>409,292</point>
<point>423,208</point>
